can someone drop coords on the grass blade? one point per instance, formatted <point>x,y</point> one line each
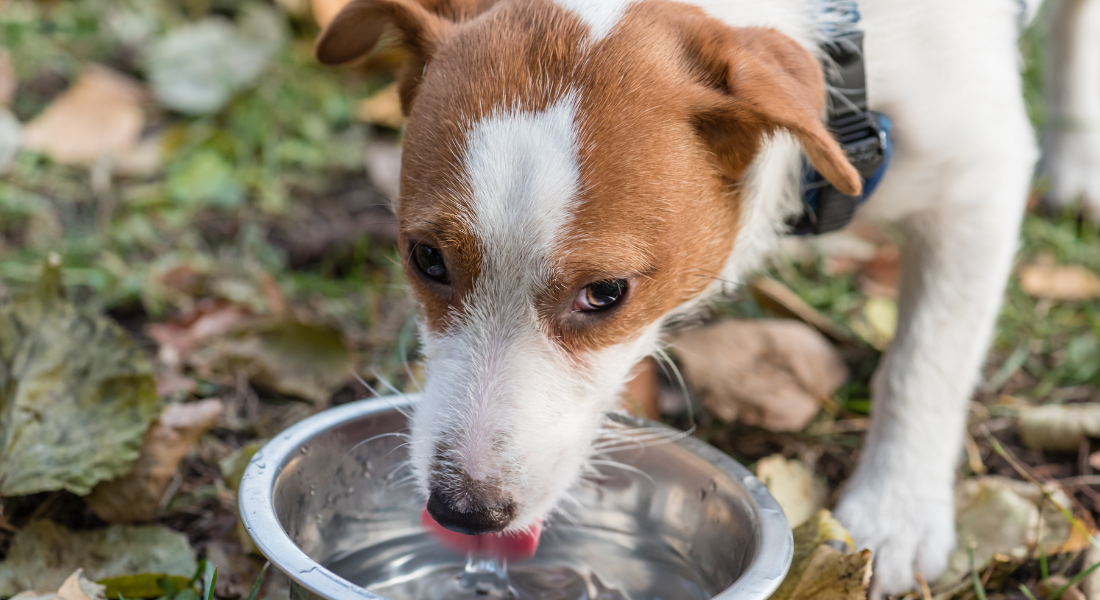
<point>259,582</point>
<point>1078,577</point>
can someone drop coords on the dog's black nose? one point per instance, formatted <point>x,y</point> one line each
<point>475,521</point>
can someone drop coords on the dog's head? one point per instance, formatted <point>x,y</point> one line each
<point>571,177</point>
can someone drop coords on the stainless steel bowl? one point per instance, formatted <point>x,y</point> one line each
<point>320,492</point>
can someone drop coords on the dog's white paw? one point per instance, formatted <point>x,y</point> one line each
<point>910,528</point>
<point>1072,162</point>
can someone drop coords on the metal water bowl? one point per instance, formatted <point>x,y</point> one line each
<point>320,492</point>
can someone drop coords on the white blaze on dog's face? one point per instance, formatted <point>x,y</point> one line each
<point>570,178</point>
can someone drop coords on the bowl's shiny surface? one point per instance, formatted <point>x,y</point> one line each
<point>319,492</point>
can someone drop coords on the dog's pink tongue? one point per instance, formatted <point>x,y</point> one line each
<point>515,546</point>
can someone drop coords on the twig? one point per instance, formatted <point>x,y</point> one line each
<point>925,591</point>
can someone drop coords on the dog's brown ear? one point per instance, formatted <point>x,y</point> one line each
<point>358,27</point>
<point>761,80</point>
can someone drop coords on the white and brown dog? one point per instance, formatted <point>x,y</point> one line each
<point>578,172</point>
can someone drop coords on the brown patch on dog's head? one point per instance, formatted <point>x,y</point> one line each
<point>672,108</point>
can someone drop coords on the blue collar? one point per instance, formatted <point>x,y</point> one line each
<point>863,134</point>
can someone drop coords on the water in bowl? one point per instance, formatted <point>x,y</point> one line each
<point>572,563</point>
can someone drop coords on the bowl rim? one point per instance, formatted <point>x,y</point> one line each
<point>257,510</point>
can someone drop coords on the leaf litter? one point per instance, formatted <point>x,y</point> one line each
<point>70,417</point>
<point>138,496</point>
<point>43,554</point>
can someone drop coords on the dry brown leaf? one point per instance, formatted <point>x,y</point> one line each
<point>1066,282</point>
<point>770,373</point>
<point>182,336</point>
<point>99,115</point>
<point>77,587</point>
<point>8,82</point>
<point>136,496</point>
<point>779,300</point>
<point>1059,427</point>
<point>383,108</point>
<point>799,492</point>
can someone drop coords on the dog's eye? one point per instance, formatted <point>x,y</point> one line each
<point>430,262</point>
<point>600,295</point>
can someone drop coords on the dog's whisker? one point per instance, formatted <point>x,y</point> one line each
<point>623,466</point>
<point>402,410</point>
<point>667,364</point>
<point>371,439</point>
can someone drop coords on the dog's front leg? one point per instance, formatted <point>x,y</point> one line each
<point>899,502</point>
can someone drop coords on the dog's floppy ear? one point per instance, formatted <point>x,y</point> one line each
<point>358,27</point>
<point>761,80</point>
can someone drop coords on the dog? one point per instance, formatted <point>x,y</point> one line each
<point>578,174</point>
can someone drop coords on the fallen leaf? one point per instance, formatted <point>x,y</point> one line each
<point>76,394</point>
<point>11,139</point>
<point>233,466</point>
<point>820,530</point>
<point>197,68</point>
<point>210,319</point>
<point>1059,427</point>
<point>174,385</point>
<point>145,585</point>
<point>144,159</point>
<point>1001,517</point>
<point>43,554</point>
<point>78,587</point>
<point>1057,582</point>
<point>298,359</point>
<point>1067,282</point>
<point>877,322</point>
<point>770,373</point>
<point>833,575</point>
<point>799,492</point>
<point>383,108</point>
<point>99,115</point>
<point>136,496</point>
<point>777,299</point>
